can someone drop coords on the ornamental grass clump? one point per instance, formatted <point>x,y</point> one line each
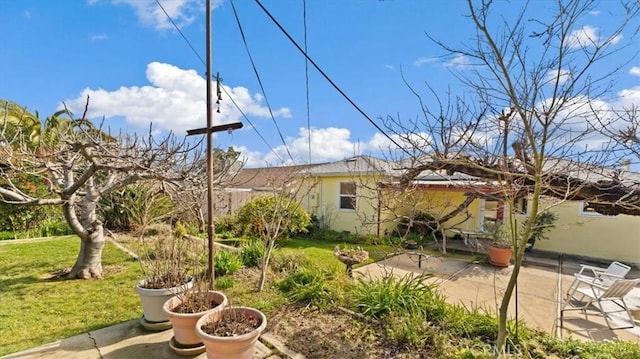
<point>376,298</point>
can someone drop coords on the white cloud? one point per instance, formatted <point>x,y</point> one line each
<point>381,143</point>
<point>589,36</point>
<point>26,14</point>
<point>424,60</point>
<point>595,12</point>
<point>183,12</point>
<point>561,75</point>
<point>174,101</point>
<point>92,2</point>
<point>99,37</point>
<point>389,67</point>
<point>327,144</point>
<point>459,62</point>
<point>635,71</point>
<point>629,97</point>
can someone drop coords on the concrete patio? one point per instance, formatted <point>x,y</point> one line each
<point>541,289</point>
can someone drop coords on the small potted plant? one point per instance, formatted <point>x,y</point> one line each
<point>185,309</point>
<point>501,248</point>
<point>545,221</point>
<point>166,268</point>
<point>231,333</point>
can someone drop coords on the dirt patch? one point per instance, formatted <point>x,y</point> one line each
<point>333,334</point>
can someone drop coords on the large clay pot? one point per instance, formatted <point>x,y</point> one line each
<point>500,256</point>
<point>153,300</point>
<point>184,324</point>
<point>235,347</point>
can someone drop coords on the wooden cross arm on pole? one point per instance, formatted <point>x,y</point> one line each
<point>225,127</point>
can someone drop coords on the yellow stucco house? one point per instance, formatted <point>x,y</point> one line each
<point>357,195</point>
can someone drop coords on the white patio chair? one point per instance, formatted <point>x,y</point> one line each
<point>598,294</point>
<point>589,275</point>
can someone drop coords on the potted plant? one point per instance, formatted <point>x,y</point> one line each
<point>231,333</point>
<point>500,249</point>
<point>166,269</point>
<point>545,221</point>
<point>184,310</point>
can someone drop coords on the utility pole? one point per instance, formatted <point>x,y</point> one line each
<point>209,130</point>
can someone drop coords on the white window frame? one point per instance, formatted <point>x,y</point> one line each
<point>583,213</point>
<point>341,195</point>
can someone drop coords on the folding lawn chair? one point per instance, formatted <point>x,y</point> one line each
<point>604,277</point>
<point>598,294</point>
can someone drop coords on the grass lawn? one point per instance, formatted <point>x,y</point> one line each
<point>37,310</point>
<point>321,251</point>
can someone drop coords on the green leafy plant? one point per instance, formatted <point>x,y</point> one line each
<point>376,298</point>
<point>133,207</point>
<point>498,233</point>
<point>288,216</point>
<point>545,221</point>
<point>223,283</point>
<point>226,263</point>
<point>308,286</point>
<point>251,253</point>
<point>289,262</point>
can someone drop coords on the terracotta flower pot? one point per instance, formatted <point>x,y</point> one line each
<point>235,347</point>
<point>184,324</point>
<point>500,256</point>
<point>153,300</point>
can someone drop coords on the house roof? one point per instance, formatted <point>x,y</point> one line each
<point>265,178</point>
<point>355,165</point>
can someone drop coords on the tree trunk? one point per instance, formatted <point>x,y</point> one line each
<point>89,261</point>
<point>265,265</point>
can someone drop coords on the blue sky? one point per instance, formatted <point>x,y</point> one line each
<point>137,68</point>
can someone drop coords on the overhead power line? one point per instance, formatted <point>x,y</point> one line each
<point>255,71</point>
<point>179,31</point>
<point>328,78</point>
<point>223,89</point>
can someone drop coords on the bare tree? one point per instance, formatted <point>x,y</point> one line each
<point>79,163</point>
<point>527,117</point>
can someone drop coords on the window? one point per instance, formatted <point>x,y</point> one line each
<point>347,195</point>
<point>521,205</point>
<point>588,212</point>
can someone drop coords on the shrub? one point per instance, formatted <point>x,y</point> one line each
<point>226,263</point>
<point>54,227</point>
<point>226,224</point>
<point>288,262</point>
<point>290,216</point>
<point>251,253</point>
<point>134,206</point>
<point>376,298</point>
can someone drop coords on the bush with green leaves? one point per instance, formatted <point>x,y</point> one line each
<point>134,207</point>
<point>226,262</point>
<point>263,216</point>
<point>251,253</point>
<point>227,224</point>
<point>289,262</point>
